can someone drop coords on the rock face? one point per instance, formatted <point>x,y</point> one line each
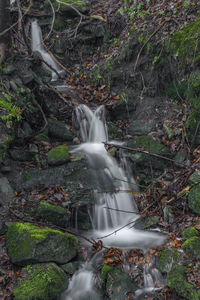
<point>41,282</point>
<point>59,130</point>
<point>52,213</point>
<point>27,243</point>
<point>58,156</point>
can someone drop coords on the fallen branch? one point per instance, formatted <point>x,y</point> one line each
<point>124,211</point>
<point>180,194</point>
<point>145,152</point>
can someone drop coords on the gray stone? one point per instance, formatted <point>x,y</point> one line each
<point>20,155</point>
<point>59,130</point>
<point>71,267</point>
<point>146,222</point>
<point>140,127</point>
<point>9,69</point>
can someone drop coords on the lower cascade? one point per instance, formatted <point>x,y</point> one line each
<point>114,213</point>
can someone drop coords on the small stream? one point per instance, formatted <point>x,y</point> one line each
<point>114,212</point>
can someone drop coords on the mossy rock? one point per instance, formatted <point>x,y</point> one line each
<point>192,247</point>
<point>168,258</point>
<point>176,280</point>
<point>58,155</point>
<point>113,131</point>
<point>67,7</point>
<point>52,213</point>
<point>42,138</point>
<point>41,282</point>
<point>117,283</point>
<point>185,44</point>
<point>146,222</point>
<point>194,178</point>
<point>27,243</point>
<point>194,199</point>
<point>147,143</point>
<point>70,267</point>
<point>189,232</point>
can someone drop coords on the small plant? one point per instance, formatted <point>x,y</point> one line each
<point>8,110</point>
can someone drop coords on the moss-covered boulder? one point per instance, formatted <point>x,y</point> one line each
<point>52,213</point>
<point>58,155</point>
<point>27,243</point>
<point>59,130</point>
<point>192,247</point>
<point>195,177</point>
<point>41,282</point>
<point>176,280</point>
<point>117,283</point>
<point>189,232</point>
<point>149,144</point>
<point>194,199</point>
<point>168,258</point>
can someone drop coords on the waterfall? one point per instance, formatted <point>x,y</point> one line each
<point>37,46</point>
<point>114,211</point>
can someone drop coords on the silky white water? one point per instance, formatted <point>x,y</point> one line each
<point>37,46</point>
<point>114,211</point>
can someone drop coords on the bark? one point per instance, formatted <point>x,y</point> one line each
<point>4,24</point>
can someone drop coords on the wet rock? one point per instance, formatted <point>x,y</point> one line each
<point>27,77</point>
<point>59,130</point>
<point>140,127</point>
<point>176,280</point>
<point>20,155</point>
<point>168,214</point>
<point>117,283</point>
<point>192,247</point>
<point>189,232</point>
<point>146,222</point>
<point>27,243</point>
<point>71,267</point>
<point>9,69</point>
<point>168,258</point>
<point>41,282</point>
<point>58,156</point>
<point>52,213</point>
<point>194,199</point>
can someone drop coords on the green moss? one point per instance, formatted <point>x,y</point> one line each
<point>168,258</point>
<point>41,137</point>
<point>195,177</point>
<point>192,247</point>
<point>104,272</point>
<point>58,155</point>
<point>24,239</point>
<point>176,280</point>
<point>189,232</point>
<point>52,213</point>
<point>151,145</point>
<point>194,199</point>
<point>45,281</point>
<point>185,43</point>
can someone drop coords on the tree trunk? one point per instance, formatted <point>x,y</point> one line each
<point>4,24</point>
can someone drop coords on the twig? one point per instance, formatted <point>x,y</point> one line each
<point>145,152</point>
<point>138,56</point>
<point>124,211</point>
<point>114,232</point>
<point>180,194</point>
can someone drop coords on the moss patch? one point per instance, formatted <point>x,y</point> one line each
<point>43,281</point>
<point>52,213</point>
<point>194,199</point>
<point>58,155</point>
<point>104,272</point>
<point>192,247</point>
<point>176,280</point>
<point>189,232</point>
<point>168,258</point>
<point>27,243</point>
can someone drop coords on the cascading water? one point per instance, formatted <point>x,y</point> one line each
<point>114,212</point>
<point>37,46</point>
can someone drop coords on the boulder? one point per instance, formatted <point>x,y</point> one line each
<point>27,243</point>
<point>59,130</point>
<point>140,127</point>
<point>168,258</point>
<point>192,247</point>
<point>52,213</point>
<point>41,282</point>
<point>189,232</point>
<point>194,199</point>
<point>58,155</point>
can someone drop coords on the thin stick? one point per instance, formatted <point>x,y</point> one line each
<point>124,211</point>
<point>145,152</point>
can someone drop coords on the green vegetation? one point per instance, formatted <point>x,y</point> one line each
<point>168,258</point>
<point>194,199</point>
<point>189,232</point>
<point>9,111</point>
<point>42,282</point>
<point>104,272</point>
